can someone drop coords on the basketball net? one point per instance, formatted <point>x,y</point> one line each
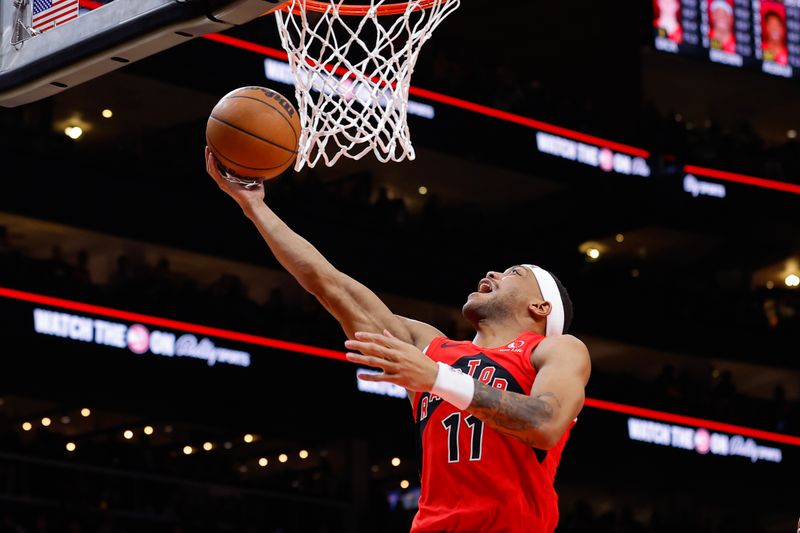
<point>352,75</point>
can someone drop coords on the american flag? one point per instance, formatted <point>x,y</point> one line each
<point>47,14</point>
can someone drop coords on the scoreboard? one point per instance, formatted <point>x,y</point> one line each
<point>753,34</point>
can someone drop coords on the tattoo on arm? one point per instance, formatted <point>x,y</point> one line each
<point>550,395</point>
<point>511,413</point>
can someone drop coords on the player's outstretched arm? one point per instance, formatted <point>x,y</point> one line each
<point>355,306</point>
<point>538,420</point>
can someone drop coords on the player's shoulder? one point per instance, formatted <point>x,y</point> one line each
<point>563,341</point>
<point>561,347</point>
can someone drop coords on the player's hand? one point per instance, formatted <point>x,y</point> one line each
<point>245,196</point>
<point>402,363</point>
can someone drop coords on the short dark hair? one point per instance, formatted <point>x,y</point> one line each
<point>768,14</point>
<point>567,301</point>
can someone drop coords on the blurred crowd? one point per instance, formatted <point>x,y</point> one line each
<point>663,517</point>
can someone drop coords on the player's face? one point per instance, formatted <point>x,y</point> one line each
<point>722,20</point>
<point>502,294</point>
<point>775,29</point>
<point>668,8</point>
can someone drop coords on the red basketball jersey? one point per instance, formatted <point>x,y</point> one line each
<point>475,479</point>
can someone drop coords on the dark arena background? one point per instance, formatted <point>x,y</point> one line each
<point>161,373</point>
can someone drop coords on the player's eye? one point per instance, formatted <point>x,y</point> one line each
<point>515,271</point>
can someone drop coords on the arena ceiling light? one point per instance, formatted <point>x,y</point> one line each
<point>592,250</point>
<point>73,132</point>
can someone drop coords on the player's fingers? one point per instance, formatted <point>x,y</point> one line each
<point>386,378</point>
<point>374,362</point>
<point>211,166</point>
<point>371,348</point>
<point>378,338</point>
<point>369,337</point>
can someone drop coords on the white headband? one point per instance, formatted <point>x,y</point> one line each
<point>550,292</point>
<point>722,4</point>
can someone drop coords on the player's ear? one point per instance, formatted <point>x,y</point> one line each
<point>539,309</point>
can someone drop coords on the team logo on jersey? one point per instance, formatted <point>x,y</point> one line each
<point>446,345</point>
<point>516,347</point>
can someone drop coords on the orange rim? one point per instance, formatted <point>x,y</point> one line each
<point>355,10</point>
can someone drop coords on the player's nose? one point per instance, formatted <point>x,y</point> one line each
<point>493,275</point>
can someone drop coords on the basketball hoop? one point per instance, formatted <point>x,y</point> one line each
<point>352,66</point>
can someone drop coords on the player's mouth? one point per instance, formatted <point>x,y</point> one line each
<point>485,286</point>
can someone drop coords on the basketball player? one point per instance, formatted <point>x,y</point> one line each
<point>494,413</point>
<point>722,26</point>
<point>774,39</point>
<point>667,21</point>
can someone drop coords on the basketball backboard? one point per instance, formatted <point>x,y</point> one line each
<point>35,65</point>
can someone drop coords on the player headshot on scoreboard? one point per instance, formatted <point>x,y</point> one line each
<point>773,33</point>
<point>721,25</point>
<point>667,21</point>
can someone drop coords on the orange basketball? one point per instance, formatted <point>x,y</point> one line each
<point>254,133</point>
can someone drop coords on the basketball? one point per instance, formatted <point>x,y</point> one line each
<point>254,133</point>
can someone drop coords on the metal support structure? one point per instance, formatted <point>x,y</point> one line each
<point>103,40</point>
<point>22,32</point>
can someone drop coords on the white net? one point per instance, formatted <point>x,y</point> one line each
<point>352,75</point>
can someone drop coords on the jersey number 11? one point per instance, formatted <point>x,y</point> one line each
<point>452,423</point>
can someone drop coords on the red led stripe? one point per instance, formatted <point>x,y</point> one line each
<point>332,354</point>
<point>90,4</point>
<point>171,324</point>
<point>692,421</point>
<point>455,102</point>
<point>742,178</point>
<point>528,122</point>
<point>451,101</point>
